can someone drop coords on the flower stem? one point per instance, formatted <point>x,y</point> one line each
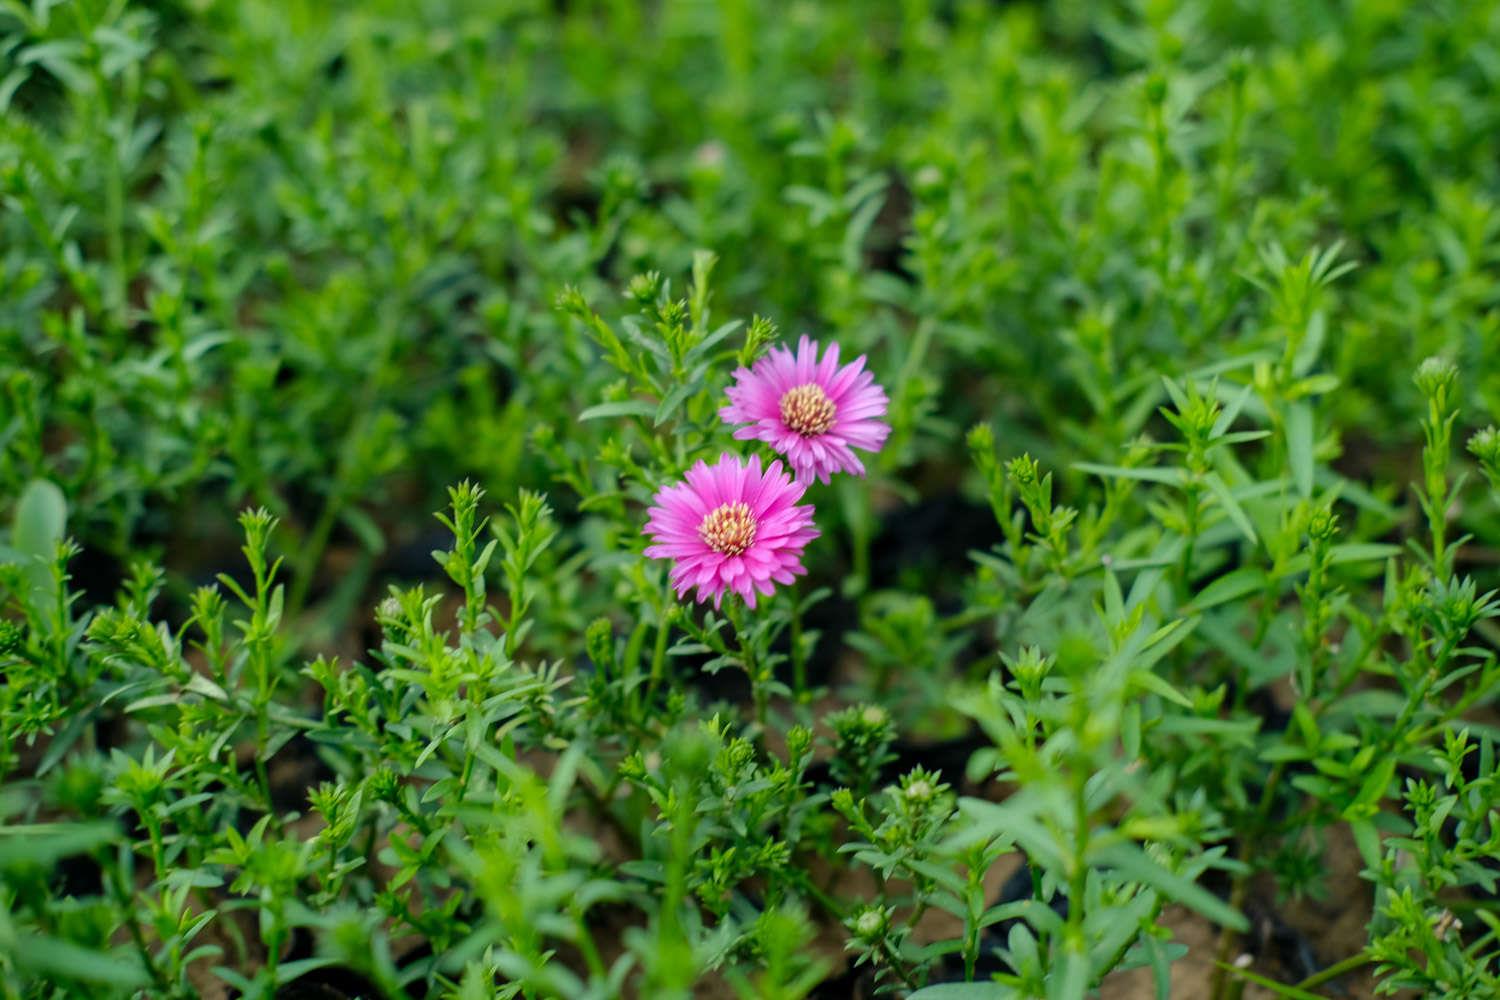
<point>751,664</point>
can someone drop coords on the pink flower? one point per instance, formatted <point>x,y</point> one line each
<point>731,526</point>
<point>810,410</point>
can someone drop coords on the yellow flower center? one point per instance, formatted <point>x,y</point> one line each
<point>807,410</point>
<point>728,528</point>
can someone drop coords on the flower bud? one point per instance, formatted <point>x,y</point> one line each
<point>644,288</point>
<point>981,439</point>
<point>869,923</point>
<point>1023,471</point>
<point>599,641</point>
<point>1435,378</point>
<point>1322,525</point>
<point>11,637</point>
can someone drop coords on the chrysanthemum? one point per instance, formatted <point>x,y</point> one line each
<point>809,409</point>
<point>731,526</point>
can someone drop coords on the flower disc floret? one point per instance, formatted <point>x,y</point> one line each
<point>731,527</point>
<point>810,409</point>
<point>807,409</point>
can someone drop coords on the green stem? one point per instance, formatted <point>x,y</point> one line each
<point>658,657</point>
<point>1185,568</point>
<point>124,898</point>
<point>311,553</point>
<point>1125,946</point>
<point>799,660</point>
<point>758,679</point>
<point>1334,971</point>
<point>1078,878</point>
<point>590,950</point>
<point>1223,984</point>
<point>897,966</point>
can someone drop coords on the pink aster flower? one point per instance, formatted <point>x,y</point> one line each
<point>810,410</point>
<point>731,526</point>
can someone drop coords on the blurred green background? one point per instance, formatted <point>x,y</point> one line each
<point>306,254</point>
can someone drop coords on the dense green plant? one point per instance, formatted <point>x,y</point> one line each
<point>1174,579</point>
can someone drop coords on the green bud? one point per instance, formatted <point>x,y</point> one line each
<point>623,177</point>
<point>673,313</point>
<point>1156,88</point>
<point>79,788</point>
<point>384,784</point>
<point>644,288</point>
<point>762,332</point>
<point>869,923</point>
<point>709,158</point>
<point>599,641</point>
<point>1023,471</point>
<point>1485,446</point>
<point>799,742</point>
<point>570,300</point>
<point>1030,665</point>
<point>1322,525</point>
<point>981,439</point>
<point>12,636</point>
<point>919,790</point>
<point>1239,67</point>
<point>928,179</point>
<point>1435,378</point>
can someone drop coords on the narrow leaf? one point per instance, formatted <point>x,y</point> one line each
<point>1231,506</point>
<point>1280,989</point>
<point>1131,862</point>
<point>1299,444</point>
<point>1232,585</point>
<point>1169,476</point>
<point>623,408</point>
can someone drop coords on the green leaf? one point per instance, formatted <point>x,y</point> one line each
<point>623,408</point>
<point>290,971</point>
<point>672,401</point>
<point>708,343</point>
<point>1299,444</point>
<point>1231,506</point>
<point>37,526</point>
<point>1353,552</point>
<point>1179,398</point>
<point>1312,344</point>
<point>205,685</point>
<point>964,991</point>
<point>1229,587</point>
<point>1133,863</point>
<point>1361,552</point>
<point>1279,989</point>
<point>64,740</point>
<point>1372,790</point>
<point>1157,685</point>
<point>64,958</point>
<point>45,843</point>
<point>364,528</point>
<point>10,84</point>
<point>1229,413</point>
<point>1071,981</point>
<point>1367,839</point>
<point>1161,969</point>
<point>1169,476</point>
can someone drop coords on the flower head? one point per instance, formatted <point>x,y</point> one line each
<point>731,526</point>
<point>809,409</point>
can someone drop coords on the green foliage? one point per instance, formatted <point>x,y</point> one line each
<point>1170,580</point>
